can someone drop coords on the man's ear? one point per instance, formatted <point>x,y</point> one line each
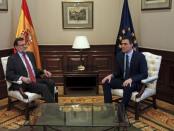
<point>132,45</point>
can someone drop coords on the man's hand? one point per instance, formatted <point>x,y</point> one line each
<point>127,82</point>
<point>47,73</point>
<point>107,78</point>
<point>26,80</point>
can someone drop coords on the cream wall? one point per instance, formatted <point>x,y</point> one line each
<point>47,19</point>
<point>49,24</point>
<point>157,29</point>
<point>154,29</point>
<point>6,27</point>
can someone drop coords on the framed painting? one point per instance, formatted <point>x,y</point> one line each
<point>3,5</point>
<point>77,15</point>
<point>155,4</point>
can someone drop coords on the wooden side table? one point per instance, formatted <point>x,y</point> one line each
<point>81,80</point>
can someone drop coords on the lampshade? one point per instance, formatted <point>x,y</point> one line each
<point>81,42</point>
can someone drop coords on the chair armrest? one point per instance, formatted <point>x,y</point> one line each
<point>141,91</point>
<point>144,82</point>
<point>19,82</point>
<point>149,79</point>
<point>21,91</point>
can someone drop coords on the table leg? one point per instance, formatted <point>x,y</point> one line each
<point>44,128</point>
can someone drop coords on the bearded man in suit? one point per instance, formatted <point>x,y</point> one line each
<point>129,73</point>
<point>22,66</point>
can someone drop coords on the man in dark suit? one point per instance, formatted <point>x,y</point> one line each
<point>131,69</point>
<point>22,66</point>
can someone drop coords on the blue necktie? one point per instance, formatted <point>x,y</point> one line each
<point>127,67</point>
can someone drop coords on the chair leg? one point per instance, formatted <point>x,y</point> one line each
<point>27,111</point>
<point>137,104</point>
<point>9,104</point>
<point>154,101</point>
<point>56,97</point>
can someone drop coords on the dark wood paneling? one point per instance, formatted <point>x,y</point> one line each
<point>61,58</point>
<point>74,60</point>
<point>98,58</point>
<point>3,89</point>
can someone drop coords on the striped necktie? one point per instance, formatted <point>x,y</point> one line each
<point>29,69</point>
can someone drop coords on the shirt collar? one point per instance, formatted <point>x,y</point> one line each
<point>129,53</point>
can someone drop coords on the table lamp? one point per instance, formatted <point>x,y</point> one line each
<point>81,42</point>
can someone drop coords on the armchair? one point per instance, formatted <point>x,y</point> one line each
<point>148,85</point>
<point>16,94</point>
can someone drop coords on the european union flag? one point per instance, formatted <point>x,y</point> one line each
<point>126,27</point>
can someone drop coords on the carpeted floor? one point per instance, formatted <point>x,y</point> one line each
<point>161,119</point>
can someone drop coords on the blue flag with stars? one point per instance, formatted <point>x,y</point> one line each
<point>126,27</point>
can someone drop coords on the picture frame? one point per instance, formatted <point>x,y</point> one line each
<point>155,4</point>
<point>3,5</point>
<point>77,15</point>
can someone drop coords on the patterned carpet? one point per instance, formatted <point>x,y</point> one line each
<point>151,120</point>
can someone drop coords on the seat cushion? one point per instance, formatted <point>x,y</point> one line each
<point>147,93</point>
<point>17,95</point>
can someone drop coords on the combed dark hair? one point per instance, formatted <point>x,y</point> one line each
<point>131,40</point>
<point>18,39</point>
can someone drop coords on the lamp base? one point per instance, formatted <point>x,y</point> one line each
<point>81,68</point>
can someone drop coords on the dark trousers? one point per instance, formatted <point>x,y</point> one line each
<point>44,87</point>
<point>117,83</point>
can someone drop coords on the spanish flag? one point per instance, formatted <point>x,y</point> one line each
<point>25,29</point>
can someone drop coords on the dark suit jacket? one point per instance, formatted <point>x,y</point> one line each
<point>16,68</point>
<point>138,67</point>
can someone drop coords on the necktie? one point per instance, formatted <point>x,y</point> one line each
<point>29,69</point>
<point>126,70</point>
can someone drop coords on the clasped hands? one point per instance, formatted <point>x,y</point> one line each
<point>27,80</point>
<point>126,83</point>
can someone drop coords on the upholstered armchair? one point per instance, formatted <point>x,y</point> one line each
<point>16,94</point>
<point>148,85</point>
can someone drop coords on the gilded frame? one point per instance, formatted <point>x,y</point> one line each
<point>3,5</point>
<point>77,15</point>
<point>155,4</point>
